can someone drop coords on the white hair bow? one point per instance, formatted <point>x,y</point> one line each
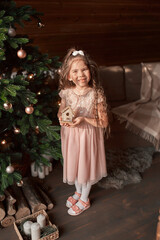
<point>75,53</point>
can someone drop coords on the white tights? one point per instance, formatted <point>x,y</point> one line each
<point>84,190</point>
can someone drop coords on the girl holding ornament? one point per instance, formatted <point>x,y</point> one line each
<point>82,139</point>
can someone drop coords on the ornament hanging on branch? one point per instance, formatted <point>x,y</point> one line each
<point>29,109</point>
<point>14,72</point>
<point>11,32</point>
<point>40,24</point>
<point>10,169</point>
<point>20,184</point>
<point>21,53</point>
<point>7,106</point>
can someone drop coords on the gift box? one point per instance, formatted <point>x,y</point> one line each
<point>33,217</point>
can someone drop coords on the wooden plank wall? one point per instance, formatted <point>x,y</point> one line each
<point>113,32</point>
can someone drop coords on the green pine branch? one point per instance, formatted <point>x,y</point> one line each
<point>38,135</point>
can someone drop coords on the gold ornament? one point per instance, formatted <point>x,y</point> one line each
<point>20,184</point>
<point>29,110</point>
<point>11,32</point>
<point>17,130</point>
<point>10,169</point>
<point>30,76</point>
<point>21,53</point>
<point>7,106</point>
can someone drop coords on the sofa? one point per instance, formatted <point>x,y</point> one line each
<point>122,85</point>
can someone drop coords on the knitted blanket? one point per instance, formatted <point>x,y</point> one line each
<point>143,115</point>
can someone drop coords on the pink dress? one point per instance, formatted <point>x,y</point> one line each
<point>82,146</point>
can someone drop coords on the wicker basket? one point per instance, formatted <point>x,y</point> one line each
<point>32,217</point>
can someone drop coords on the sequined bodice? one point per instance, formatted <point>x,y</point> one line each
<point>82,105</point>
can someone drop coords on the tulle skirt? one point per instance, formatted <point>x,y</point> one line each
<point>83,154</point>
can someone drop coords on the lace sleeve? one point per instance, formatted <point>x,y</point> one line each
<point>62,94</point>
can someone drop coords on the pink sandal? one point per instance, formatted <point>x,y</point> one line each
<point>71,201</point>
<point>75,210</point>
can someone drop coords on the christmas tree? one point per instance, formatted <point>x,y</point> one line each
<point>28,97</point>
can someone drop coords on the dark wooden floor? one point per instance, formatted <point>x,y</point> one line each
<point>128,214</point>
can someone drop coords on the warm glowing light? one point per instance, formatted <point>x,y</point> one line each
<point>16,130</point>
<point>3,142</point>
<point>30,76</point>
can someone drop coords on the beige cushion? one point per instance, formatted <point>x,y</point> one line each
<point>133,79</point>
<point>112,81</point>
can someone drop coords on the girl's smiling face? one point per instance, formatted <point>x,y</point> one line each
<point>80,74</point>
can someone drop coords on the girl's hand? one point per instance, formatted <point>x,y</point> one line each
<point>60,118</point>
<point>77,121</point>
<point>60,121</point>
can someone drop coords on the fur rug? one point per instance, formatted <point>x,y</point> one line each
<point>126,166</point>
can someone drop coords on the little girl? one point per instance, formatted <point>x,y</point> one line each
<point>83,139</point>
